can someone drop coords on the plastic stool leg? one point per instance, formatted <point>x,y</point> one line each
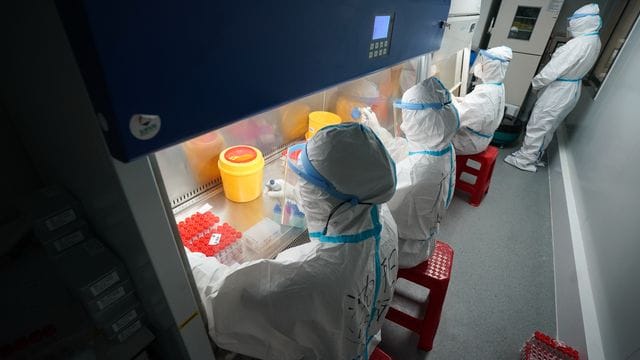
<point>476,198</point>
<point>378,354</point>
<point>405,320</point>
<point>484,181</point>
<point>432,318</point>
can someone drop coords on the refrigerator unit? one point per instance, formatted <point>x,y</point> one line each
<point>125,103</point>
<point>524,26</point>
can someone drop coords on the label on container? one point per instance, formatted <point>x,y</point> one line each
<point>215,239</point>
<point>59,220</point>
<point>104,283</point>
<point>124,320</point>
<point>240,154</point>
<point>110,298</point>
<point>126,333</point>
<point>204,208</point>
<point>69,240</point>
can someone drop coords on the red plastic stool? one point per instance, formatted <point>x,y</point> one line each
<point>378,354</point>
<point>432,274</point>
<point>480,188</point>
<point>544,347</point>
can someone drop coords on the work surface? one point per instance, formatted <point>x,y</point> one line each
<point>502,285</point>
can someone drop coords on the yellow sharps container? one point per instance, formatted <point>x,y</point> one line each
<point>241,168</point>
<point>320,119</point>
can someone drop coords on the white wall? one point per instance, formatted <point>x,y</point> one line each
<point>602,145</point>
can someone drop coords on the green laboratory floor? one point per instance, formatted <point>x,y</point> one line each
<point>502,282</point>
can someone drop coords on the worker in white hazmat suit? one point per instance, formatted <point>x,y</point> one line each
<point>481,110</point>
<point>561,79</point>
<point>325,299</point>
<point>425,166</point>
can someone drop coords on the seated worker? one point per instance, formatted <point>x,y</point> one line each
<point>425,167</point>
<point>325,299</point>
<point>481,110</point>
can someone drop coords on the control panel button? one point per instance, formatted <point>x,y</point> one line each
<point>378,48</point>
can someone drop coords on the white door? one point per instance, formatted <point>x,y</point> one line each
<point>521,70</point>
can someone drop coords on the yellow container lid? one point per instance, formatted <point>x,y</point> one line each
<point>320,119</point>
<point>241,160</point>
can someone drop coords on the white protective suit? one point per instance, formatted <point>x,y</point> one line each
<point>562,80</point>
<point>325,299</point>
<point>481,110</point>
<point>425,166</point>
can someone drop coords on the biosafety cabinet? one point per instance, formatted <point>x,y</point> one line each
<point>146,95</point>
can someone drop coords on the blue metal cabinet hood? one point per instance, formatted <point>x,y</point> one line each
<point>162,71</point>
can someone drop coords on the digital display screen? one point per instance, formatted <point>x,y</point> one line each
<point>524,22</point>
<point>381,27</point>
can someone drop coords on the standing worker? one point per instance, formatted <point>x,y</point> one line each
<point>562,77</point>
<point>426,166</point>
<point>481,110</point>
<point>325,299</point>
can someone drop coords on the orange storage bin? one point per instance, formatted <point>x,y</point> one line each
<point>202,154</point>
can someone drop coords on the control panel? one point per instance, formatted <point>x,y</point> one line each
<point>381,37</point>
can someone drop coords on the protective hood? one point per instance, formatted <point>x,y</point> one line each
<point>350,165</point>
<point>429,118</point>
<point>492,64</point>
<point>585,21</point>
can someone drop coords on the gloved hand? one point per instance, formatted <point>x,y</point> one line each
<point>369,118</point>
<point>276,189</point>
<point>395,146</point>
